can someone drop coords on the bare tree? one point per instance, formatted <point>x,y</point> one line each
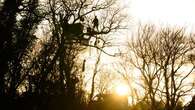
<point>98,67</point>
<point>95,71</point>
<point>104,81</point>
<point>160,56</point>
<point>142,57</point>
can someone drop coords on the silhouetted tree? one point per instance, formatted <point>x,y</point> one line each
<point>159,56</point>
<point>69,31</point>
<point>95,71</point>
<point>18,21</point>
<point>36,77</point>
<point>53,73</point>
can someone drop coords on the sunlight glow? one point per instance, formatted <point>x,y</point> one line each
<point>121,90</point>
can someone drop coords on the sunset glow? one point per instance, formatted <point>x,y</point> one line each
<point>121,90</point>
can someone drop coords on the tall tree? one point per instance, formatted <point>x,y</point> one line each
<point>71,28</point>
<point>18,21</point>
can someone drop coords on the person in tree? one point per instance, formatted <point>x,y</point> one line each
<point>95,23</point>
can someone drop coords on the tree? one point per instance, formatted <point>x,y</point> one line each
<point>18,21</point>
<point>56,65</point>
<point>95,71</point>
<point>161,56</point>
<point>52,71</point>
<point>142,57</point>
<point>98,67</point>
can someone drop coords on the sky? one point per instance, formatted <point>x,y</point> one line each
<point>162,12</point>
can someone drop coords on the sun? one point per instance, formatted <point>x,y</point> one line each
<point>121,90</point>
